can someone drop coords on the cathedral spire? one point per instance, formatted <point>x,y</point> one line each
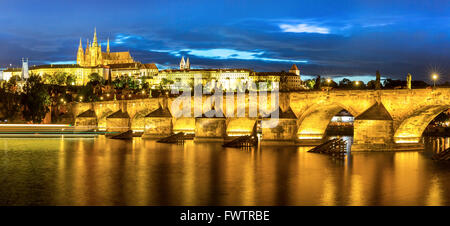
<point>80,46</point>
<point>80,54</point>
<point>107,46</point>
<point>87,47</point>
<point>94,41</point>
<point>182,63</point>
<point>188,65</point>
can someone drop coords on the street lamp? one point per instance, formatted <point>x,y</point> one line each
<point>435,77</point>
<point>328,83</point>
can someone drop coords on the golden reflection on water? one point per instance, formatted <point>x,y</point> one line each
<point>144,172</point>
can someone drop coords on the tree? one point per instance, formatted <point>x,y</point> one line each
<point>96,79</point>
<point>35,99</point>
<point>59,78</point>
<point>318,84</point>
<point>359,85</point>
<point>12,83</point>
<point>310,83</point>
<point>87,92</point>
<point>372,84</point>
<point>390,84</point>
<point>70,80</point>
<point>419,84</point>
<point>10,103</point>
<point>345,84</point>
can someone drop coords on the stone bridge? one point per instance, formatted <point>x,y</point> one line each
<point>384,119</point>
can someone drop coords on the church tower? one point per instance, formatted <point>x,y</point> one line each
<point>87,58</point>
<point>80,54</point>
<point>182,63</point>
<point>188,65</point>
<point>294,69</point>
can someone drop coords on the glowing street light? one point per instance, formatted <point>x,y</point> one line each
<point>434,77</point>
<point>328,83</point>
<point>81,98</point>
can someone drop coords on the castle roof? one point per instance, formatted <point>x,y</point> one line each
<point>116,55</point>
<point>294,67</point>
<point>208,69</point>
<point>282,73</point>
<point>135,65</point>
<point>151,66</point>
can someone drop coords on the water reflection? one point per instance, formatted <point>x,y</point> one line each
<point>143,172</point>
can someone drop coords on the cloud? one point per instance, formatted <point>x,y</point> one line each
<point>227,54</point>
<point>304,28</point>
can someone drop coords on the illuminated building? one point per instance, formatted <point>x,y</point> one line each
<point>91,60</point>
<point>228,79</point>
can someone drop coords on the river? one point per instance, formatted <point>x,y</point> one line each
<point>100,171</point>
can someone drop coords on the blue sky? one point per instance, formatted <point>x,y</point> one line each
<point>330,38</point>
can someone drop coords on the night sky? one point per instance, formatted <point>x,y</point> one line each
<point>330,38</point>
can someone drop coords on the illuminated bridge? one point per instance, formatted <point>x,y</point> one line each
<point>384,119</point>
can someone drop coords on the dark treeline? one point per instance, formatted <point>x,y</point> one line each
<point>320,83</point>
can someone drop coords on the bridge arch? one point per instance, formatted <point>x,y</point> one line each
<point>138,119</point>
<point>314,121</point>
<point>101,117</point>
<point>411,129</point>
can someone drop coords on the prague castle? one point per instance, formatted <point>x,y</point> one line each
<point>93,56</point>
<point>111,65</point>
<point>107,64</point>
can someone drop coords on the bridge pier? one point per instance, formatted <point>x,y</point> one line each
<point>86,120</point>
<point>210,129</point>
<point>158,124</point>
<point>284,133</point>
<point>118,122</point>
